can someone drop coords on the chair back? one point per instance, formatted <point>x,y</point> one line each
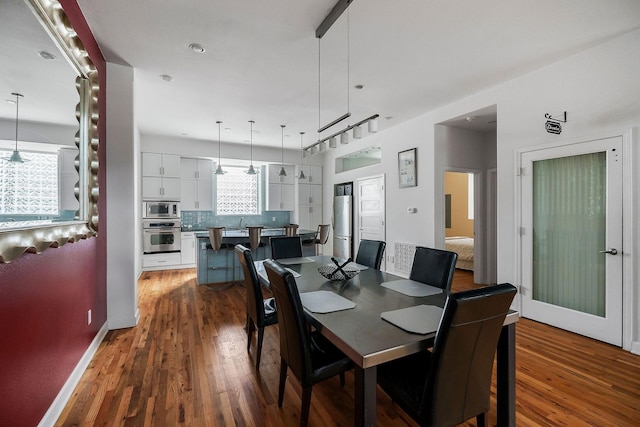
<point>255,233</point>
<point>291,230</point>
<point>255,304</point>
<point>459,378</point>
<point>295,340</point>
<point>370,253</point>
<point>286,247</point>
<point>323,233</point>
<point>434,267</point>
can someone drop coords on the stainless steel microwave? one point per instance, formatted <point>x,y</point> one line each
<point>161,209</point>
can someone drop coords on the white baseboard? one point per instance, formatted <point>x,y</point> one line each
<point>635,347</point>
<point>125,322</point>
<point>56,408</point>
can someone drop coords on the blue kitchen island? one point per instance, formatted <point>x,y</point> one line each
<point>223,266</point>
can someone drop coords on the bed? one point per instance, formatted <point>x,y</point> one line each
<point>464,247</point>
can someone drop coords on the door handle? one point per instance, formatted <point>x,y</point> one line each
<point>611,251</point>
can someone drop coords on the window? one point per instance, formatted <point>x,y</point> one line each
<point>237,193</point>
<point>29,188</point>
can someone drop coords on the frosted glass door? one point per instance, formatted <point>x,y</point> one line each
<point>572,238</point>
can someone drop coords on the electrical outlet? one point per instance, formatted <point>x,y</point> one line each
<point>89,317</point>
<point>273,218</point>
<point>392,259</point>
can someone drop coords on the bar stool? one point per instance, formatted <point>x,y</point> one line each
<point>215,237</point>
<point>291,230</point>
<point>255,232</point>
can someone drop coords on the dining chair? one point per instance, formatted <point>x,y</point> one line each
<point>433,267</point>
<point>310,356</point>
<point>370,253</point>
<point>260,312</point>
<point>320,238</point>
<point>286,247</point>
<point>452,383</point>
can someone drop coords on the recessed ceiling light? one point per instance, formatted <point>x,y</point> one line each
<point>388,118</point>
<point>46,55</point>
<point>196,47</point>
<point>166,77</point>
<point>359,86</point>
<point>471,118</point>
<point>227,129</point>
<point>11,101</point>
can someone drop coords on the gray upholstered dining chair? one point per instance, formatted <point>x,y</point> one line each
<point>309,355</point>
<point>452,383</point>
<point>370,253</point>
<point>286,247</point>
<point>434,267</point>
<point>260,312</point>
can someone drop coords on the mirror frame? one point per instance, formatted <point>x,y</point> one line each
<point>35,239</point>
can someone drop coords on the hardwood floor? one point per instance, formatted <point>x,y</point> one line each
<point>186,363</point>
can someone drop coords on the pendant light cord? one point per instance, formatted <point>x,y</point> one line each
<point>17,115</point>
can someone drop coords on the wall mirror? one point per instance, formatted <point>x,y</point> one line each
<point>51,199</point>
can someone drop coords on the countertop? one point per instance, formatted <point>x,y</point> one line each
<point>244,232</point>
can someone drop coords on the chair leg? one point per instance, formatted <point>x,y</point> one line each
<point>283,379</point>
<point>481,420</point>
<point>259,350</point>
<point>250,328</point>
<point>306,404</point>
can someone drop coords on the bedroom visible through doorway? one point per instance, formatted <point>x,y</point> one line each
<point>459,217</point>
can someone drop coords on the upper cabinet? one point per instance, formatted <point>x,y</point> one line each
<point>196,184</point>
<point>280,189</point>
<point>160,176</point>
<point>312,173</point>
<point>309,207</point>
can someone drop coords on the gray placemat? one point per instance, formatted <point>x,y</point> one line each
<point>420,319</point>
<point>289,261</point>
<point>411,288</point>
<point>325,302</point>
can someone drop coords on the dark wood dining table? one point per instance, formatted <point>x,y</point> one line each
<point>369,340</point>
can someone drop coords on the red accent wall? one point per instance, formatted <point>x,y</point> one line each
<point>44,298</point>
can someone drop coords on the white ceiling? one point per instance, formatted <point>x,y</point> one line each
<point>262,60</point>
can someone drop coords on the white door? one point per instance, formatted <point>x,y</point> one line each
<point>371,210</point>
<point>572,238</point>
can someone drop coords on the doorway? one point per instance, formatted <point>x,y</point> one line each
<point>572,238</point>
<point>371,211</point>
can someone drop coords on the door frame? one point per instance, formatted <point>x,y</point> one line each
<point>630,305</point>
<point>356,219</point>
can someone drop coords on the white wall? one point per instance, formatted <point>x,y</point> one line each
<point>599,88</point>
<point>122,199</point>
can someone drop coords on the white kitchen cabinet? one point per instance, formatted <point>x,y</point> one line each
<point>273,174</point>
<point>188,249</point>
<point>313,174</point>
<point>280,189</point>
<point>196,185</point>
<point>309,194</point>
<point>157,188</point>
<point>280,197</point>
<point>163,261</point>
<point>309,216</point>
<point>161,165</point>
<point>160,176</point>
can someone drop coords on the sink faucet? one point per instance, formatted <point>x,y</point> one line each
<point>241,219</point>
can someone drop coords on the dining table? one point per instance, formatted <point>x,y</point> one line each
<point>359,330</point>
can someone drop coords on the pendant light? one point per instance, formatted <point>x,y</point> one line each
<point>219,170</point>
<point>16,157</point>
<point>282,171</point>
<point>251,170</point>
<point>301,175</point>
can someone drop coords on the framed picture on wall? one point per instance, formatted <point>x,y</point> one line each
<point>407,172</point>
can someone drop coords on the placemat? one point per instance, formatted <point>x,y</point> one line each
<point>289,261</point>
<point>411,288</point>
<point>420,319</point>
<point>325,302</point>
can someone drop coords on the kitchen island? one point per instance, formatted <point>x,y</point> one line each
<point>222,266</point>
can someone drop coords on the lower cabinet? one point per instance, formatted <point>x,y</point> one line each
<point>161,261</point>
<point>188,249</point>
<point>216,266</point>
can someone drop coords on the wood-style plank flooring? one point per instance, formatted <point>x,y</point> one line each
<point>186,363</point>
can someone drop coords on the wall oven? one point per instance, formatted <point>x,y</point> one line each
<point>158,209</point>
<point>161,235</point>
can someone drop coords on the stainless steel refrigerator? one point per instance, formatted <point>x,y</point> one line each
<point>342,226</point>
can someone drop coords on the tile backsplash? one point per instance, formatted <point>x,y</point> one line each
<point>200,220</point>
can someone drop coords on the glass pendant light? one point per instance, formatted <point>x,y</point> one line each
<point>219,170</point>
<point>16,157</point>
<point>301,175</point>
<point>251,170</point>
<point>282,171</point>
